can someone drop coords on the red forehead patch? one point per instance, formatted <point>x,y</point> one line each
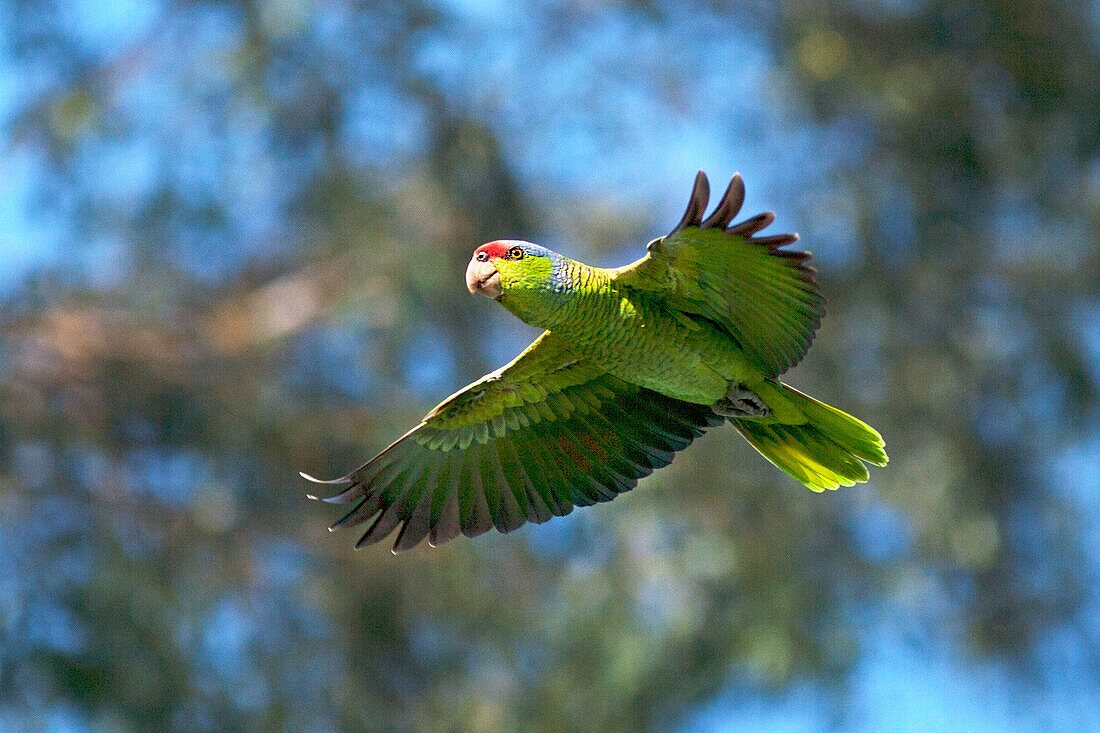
<point>494,249</point>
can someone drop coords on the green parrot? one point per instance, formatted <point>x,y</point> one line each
<point>635,362</point>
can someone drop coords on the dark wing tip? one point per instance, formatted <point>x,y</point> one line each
<point>729,205</point>
<point>352,492</point>
<point>362,512</point>
<point>776,241</point>
<point>330,482</point>
<point>697,204</point>
<point>752,225</point>
<point>386,522</point>
<point>415,527</point>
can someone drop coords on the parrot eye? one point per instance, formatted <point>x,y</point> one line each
<point>482,256</point>
<point>516,253</point>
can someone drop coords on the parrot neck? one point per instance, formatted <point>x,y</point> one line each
<point>574,292</point>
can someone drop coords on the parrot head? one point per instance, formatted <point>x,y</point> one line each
<point>509,267</point>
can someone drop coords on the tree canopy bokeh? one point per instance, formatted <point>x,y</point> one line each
<point>232,237</point>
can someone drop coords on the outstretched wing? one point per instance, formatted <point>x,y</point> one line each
<point>547,432</point>
<point>763,296</point>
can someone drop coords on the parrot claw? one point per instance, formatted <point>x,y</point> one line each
<point>740,402</point>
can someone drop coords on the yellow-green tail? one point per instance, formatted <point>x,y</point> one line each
<point>819,445</point>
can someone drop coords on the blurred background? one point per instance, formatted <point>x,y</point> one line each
<point>232,243</point>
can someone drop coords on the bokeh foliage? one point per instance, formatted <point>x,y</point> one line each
<point>236,234</point>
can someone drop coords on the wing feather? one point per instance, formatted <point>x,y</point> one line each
<point>545,433</point>
<point>446,527</point>
<point>765,298</point>
<point>477,519</point>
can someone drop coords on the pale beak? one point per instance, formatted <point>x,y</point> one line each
<point>482,277</point>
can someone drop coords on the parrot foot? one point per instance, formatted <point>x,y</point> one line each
<point>740,402</point>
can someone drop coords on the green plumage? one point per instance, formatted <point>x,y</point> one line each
<point>635,363</point>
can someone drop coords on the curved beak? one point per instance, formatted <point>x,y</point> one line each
<point>482,277</point>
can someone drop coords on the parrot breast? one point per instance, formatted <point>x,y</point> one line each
<point>634,336</point>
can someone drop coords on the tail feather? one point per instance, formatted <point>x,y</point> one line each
<point>825,451</point>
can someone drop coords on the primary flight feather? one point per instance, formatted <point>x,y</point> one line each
<point>634,364</point>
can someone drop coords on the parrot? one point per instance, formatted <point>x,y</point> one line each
<point>632,365</point>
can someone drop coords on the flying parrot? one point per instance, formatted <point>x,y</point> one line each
<point>634,363</point>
